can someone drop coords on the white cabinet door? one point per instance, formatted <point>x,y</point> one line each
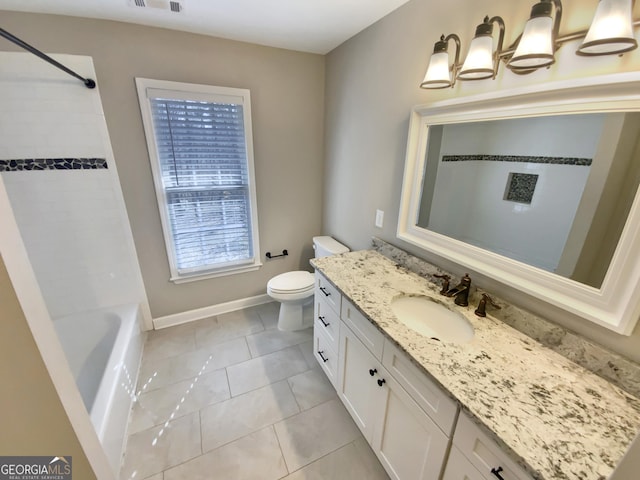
<point>459,468</point>
<point>357,380</point>
<point>407,442</point>
<point>441,408</point>
<point>484,454</point>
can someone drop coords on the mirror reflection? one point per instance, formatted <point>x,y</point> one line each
<point>553,192</point>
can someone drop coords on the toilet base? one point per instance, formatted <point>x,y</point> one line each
<point>295,316</point>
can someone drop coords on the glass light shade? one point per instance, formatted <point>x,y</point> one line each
<point>535,48</point>
<point>438,74</point>
<point>611,30</point>
<point>479,61</point>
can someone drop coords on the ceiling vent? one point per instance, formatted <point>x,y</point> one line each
<point>171,5</point>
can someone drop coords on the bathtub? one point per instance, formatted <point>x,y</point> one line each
<point>103,349</point>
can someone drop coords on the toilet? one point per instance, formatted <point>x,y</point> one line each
<point>294,290</point>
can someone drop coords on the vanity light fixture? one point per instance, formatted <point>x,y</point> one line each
<point>611,29</point>
<point>611,32</point>
<point>538,41</point>
<point>482,61</point>
<point>439,73</point>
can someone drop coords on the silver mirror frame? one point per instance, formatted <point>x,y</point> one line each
<point>616,305</point>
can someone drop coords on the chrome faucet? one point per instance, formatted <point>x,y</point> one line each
<point>461,291</point>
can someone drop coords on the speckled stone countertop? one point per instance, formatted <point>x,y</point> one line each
<point>554,417</point>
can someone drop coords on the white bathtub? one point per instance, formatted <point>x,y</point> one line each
<point>103,348</point>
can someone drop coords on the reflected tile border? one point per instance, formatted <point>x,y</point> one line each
<point>577,161</point>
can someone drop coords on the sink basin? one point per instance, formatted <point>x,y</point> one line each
<point>432,319</point>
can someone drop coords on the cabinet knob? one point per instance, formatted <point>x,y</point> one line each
<point>323,322</point>
<point>323,290</point>
<point>373,371</point>
<point>496,472</point>
<point>381,381</point>
<point>325,360</point>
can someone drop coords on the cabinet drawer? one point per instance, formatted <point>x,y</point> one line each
<point>426,393</point>
<point>459,468</point>
<point>368,334</point>
<point>330,293</point>
<point>326,356</point>
<point>326,320</point>
<point>483,453</point>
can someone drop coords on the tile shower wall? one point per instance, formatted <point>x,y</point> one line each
<point>475,196</point>
<point>58,170</point>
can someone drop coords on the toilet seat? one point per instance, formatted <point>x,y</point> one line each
<point>294,290</point>
<point>292,283</point>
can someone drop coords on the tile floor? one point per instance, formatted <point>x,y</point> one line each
<point>232,397</point>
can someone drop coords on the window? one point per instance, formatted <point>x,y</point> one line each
<point>200,148</point>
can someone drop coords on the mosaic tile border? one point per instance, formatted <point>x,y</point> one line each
<point>579,162</point>
<point>19,165</point>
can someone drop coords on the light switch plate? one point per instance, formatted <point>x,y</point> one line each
<point>379,218</point>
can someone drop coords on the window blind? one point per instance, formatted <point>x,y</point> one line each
<point>202,154</point>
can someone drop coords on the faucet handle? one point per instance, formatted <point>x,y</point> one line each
<point>482,305</point>
<point>445,283</point>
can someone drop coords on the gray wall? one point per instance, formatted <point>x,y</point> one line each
<point>372,83</point>
<point>287,94</point>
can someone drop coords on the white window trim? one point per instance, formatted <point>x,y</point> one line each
<point>184,91</point>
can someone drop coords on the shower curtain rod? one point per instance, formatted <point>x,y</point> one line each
<point>12,38</point>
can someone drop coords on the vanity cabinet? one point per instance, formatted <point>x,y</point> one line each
<point>403,414</point>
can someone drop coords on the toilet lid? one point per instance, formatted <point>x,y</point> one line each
<point>292,282</point>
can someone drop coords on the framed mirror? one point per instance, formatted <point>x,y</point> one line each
<point>537,189</point>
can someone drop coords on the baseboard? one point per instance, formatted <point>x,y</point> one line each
<point>210,311</point>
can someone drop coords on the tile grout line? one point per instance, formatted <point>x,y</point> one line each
<point>257,429</point>
<point>324,456</point>
<point>295,399</point>
<point>290,347</point>
<point>201,442</point>
<point>275,431</point>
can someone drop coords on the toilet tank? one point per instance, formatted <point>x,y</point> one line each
<point>325,246</point>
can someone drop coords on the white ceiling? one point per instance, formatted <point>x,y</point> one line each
<point>316,26</point>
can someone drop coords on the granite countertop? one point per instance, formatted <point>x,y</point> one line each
<point>555,418</point>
